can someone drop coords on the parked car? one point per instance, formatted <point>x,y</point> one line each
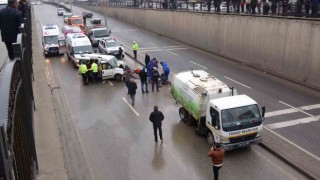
<point>60,11</point>
<point>109,46</point>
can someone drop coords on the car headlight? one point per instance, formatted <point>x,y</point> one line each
<point>259,134</point>
<point>224,140</point>
<point>46,47</point>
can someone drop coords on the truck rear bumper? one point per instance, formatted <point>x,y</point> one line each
<point>229,147</point>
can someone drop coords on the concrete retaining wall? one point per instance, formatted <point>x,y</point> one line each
<point>285,47</point>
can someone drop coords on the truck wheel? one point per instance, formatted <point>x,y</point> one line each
<point>184,115</point>
<point>210,138</point>
<point>118,77</point>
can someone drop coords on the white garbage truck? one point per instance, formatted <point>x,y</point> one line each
<point>221,115</point>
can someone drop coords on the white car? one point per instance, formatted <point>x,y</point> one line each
<point>109,46</point>
<point>109,66</point>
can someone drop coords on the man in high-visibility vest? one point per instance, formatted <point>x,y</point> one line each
<point>94,68</point>
<point>135,48</point>
<point>83,70</point>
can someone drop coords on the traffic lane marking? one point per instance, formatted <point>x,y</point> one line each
<point>292,143</point>
<point>290,110</point>
<point>152,44</point>
<point>125,100</point>
<point>172,53</point>
<point>293,122</point>
<point>110,83</point>
<point>296,109</point>
<point>198,64</point>
<point>238,82</point>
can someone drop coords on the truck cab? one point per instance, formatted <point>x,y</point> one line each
<point>97,34</point>
<point>53,42</point>
<point>234,122</point>
<point>76,21</point>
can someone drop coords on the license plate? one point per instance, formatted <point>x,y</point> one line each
<point>243,144</point>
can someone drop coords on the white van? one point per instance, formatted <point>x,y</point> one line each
<point>77,44</point>
<point>52,41</point>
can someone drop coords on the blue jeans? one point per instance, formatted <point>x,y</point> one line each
<point>144,83</point>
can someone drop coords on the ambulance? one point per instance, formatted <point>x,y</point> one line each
<point>77,44</point>
<point>52,41</point>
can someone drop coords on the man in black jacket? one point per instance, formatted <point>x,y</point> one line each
<point>156,117</point>
<point>132,87</point>
<point>10,21</point>
<point>23,7</point>
<point>144,80</point>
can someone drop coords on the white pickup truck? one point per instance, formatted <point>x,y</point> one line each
<point>224,117</point>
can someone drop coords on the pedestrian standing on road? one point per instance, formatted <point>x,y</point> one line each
<point>147,59</point>
<point>156,117</point>
<point>132,87</point>
<point>155,79</point>
<point>217,155</point>
<point>127,76</point>
<point>84,73</point>
<point>144,80</point>
<point>10,21</point>
<point>23,7</point>
<point>95,71</point>
<point>135,48</point>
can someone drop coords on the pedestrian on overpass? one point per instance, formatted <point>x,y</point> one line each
<point>132,87</point>
<point>10,21</point>
<point>135,48</point>
<point>84,73</point>
<point>156,117</point>
<point>217,155</point>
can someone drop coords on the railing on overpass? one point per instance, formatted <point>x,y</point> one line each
<point>18,159</point>
<point>295,8</point>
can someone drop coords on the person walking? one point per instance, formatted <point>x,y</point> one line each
<point>217,155</point>
<point>84,73</point>
<point>156,117</point>
<point>144,80</point>
<point>132,87</point>
<point>10,21</point>
<point>127,76</point>
<point>135,48</point>
<point>155,79</point>
<point>147,59</point>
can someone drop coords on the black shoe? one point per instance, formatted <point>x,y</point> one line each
<point>158,90</point>
<point>156,140</point>
<point>142,92</point>
<point>147,91</point>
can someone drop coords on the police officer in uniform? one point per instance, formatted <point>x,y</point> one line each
<point>94,68</point>
<point>83,70</point>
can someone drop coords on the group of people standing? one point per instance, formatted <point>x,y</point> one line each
<point>264,7</point>
<point>11,18</point>
<point>90,69</point>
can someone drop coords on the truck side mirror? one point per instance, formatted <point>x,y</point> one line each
<point>263,111</point>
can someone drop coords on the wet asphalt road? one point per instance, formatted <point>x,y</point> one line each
<point>118,142</point>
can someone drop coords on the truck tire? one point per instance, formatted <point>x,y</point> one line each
<point>184,115</point>
<point>118,77</point>
<point>210,138</point>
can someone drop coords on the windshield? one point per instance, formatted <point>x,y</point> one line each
<point>112,44</point>
<point>60,9</point>
<point>240,118</point>
<point>51,39</point>
<point>82,49</point>
<point>76,21</point>
<point>113,62</point>
<point>67,15</point>
<point>100,33</point>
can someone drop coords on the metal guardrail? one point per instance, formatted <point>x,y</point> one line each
<point>274,7</point>
<point>18,159</point>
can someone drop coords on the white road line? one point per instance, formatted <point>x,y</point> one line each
<point>237,82</point>
<point>152,44</point>
<point>174,49</point>
<point>296,109</point>
<point>124,99</point>
<point>288,111</point>
<point>293,122</point>
<point>198,64</point>
<point>156,47</point>
<point>151,50</point>
<point>295,145</point>
<point>172,53</point>
<point>110,83</point>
